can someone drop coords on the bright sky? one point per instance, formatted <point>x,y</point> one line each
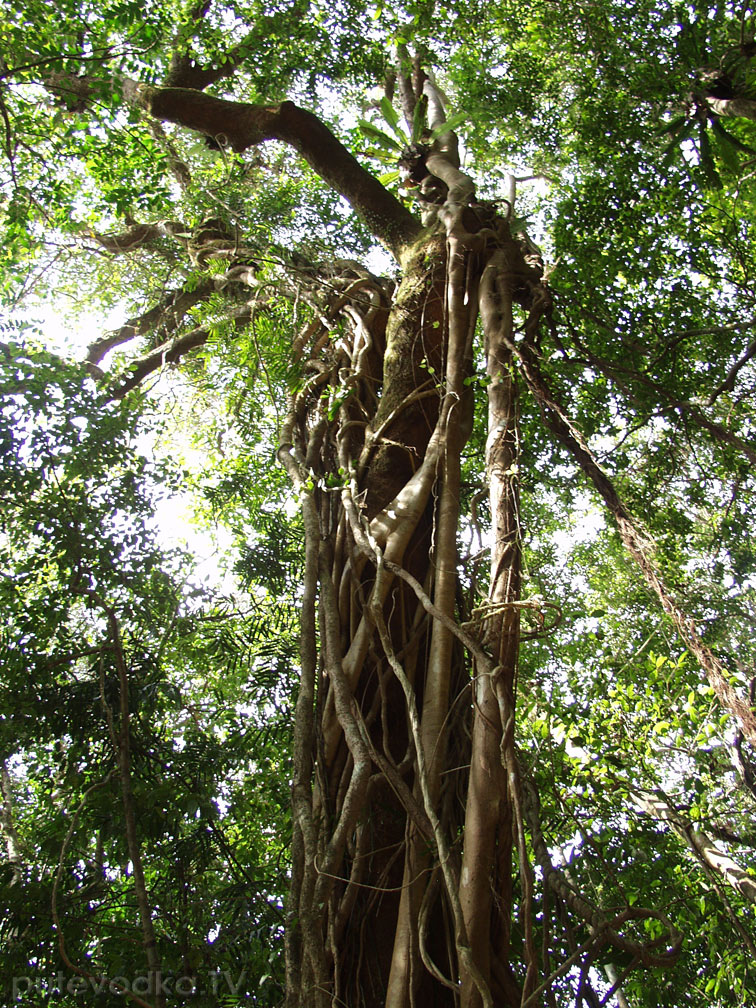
<point>175,515</point>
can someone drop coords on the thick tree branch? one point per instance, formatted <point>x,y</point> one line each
<point>728,385</point>
<point>184,72</point>
<point>719,861</point>
<point>733,108</point>
<point>168,353</point>
<point>162,317</point>
<point>241,126</point>
<point>73,91</point>
<point>136,236</point>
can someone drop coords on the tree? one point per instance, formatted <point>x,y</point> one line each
<point>500,719</point>
<point>133,704</point>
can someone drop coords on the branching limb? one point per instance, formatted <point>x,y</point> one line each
<point>186,72</point>
<point>633,539</point>
<point>703,846</point>
<point>604,929</point>
<point>245,125</point>
<point>73,91</point>
<point>164,316</point>
<point>446,143</point>
<point>408,96</point>
<point>615,372</point>
<point>169,353</point>
<point>728,385</point>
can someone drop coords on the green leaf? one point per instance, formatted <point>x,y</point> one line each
<point>378,136</point>
<point>419,118</point>
<point>450,125</point>
<point>390,115</point>
<point>389,178</point>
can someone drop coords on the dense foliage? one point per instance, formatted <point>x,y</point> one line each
<point>482,434</point>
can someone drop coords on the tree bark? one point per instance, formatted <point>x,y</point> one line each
<point>7,821</point>
<point>241,125</point>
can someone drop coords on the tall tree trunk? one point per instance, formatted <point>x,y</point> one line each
<point>402,886</point>
<point>7,822</point>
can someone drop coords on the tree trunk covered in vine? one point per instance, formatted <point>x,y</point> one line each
<point>415,824</point>
<point>404,825</point>
<point>493,729</point>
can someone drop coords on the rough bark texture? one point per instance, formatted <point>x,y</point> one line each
<point>413,822</point>
<point>240,126</point>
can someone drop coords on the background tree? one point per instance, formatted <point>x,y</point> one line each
<point>521,746</point>
<point>136,712</point>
